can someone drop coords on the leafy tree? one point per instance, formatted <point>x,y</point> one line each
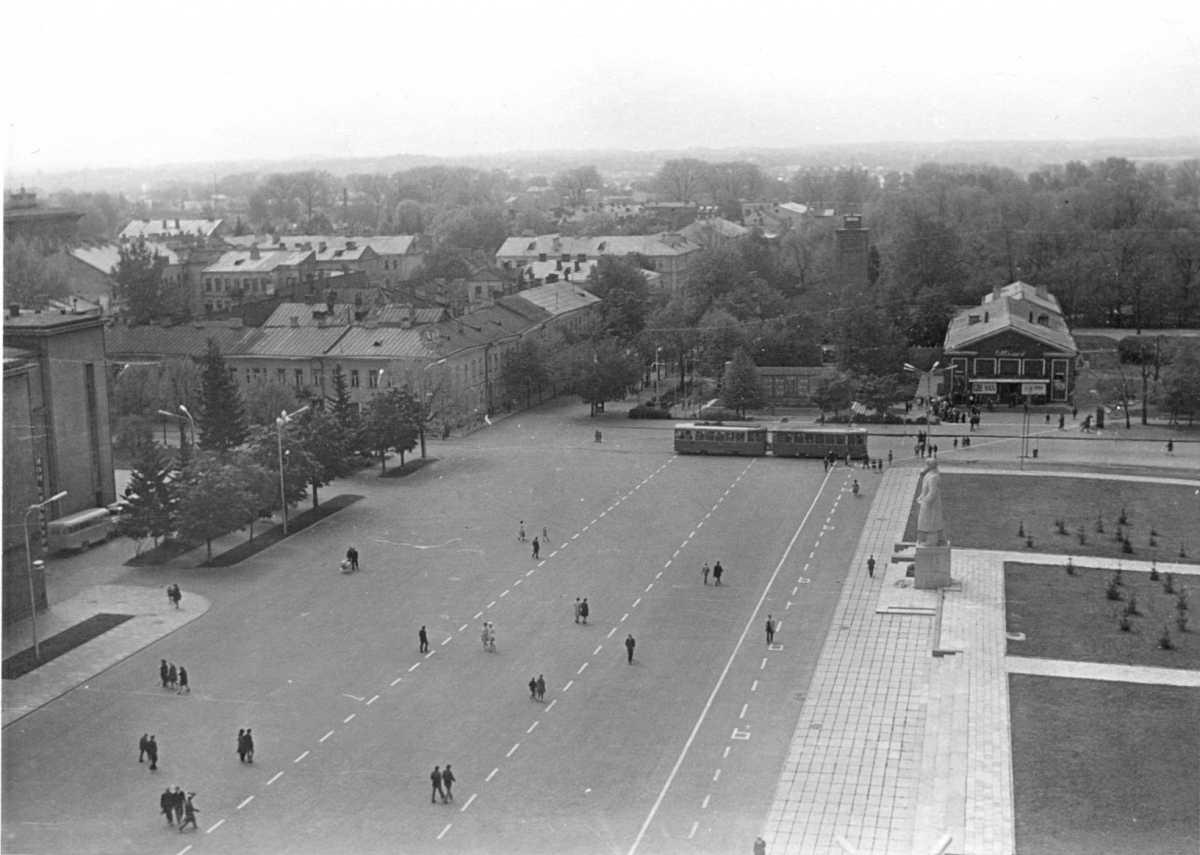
<point>791,342</point>
<point>264,403</point>
<point>150,512</point>
<point>680,180</point>
<point>879,392</point>
<point>29,279</point>
<point>263,450</point>
<point>328,445</point>
<point>1181,383</point>
<point>601,371</point>
<point>479,227</point>
<point>221,419</point>
<point>312,189</point>
<point>870,343</point>
<point>218,496</point>
<point>833,394</point>
<point>390,422</point>
<point>740,388</point>
<point>139,281</point>
<point>624,295</point>
<point>524,369</point>
<point>573,184</point>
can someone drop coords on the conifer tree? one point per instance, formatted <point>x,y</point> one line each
<point>151,502</point>
<point>222,417</point>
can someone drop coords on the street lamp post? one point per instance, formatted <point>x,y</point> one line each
<point>191,423</point>
<point>657,369</point>
<point>37,651</point>
<point>928,397</point>
<point>425,399</point>
<point>284,418</point>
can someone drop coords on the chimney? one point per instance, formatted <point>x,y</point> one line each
<point>351,244</point>
<point>176,222</point>
<point>322,246</point>
<point>558,264</point>
<point>14,310</point>
<point>996,291</point>
<point>295,320</point>
<point>254,253</point>
<point>1031,317</point>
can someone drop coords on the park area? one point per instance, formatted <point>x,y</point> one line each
<point>1101,766</point>
<point>1071,516</point>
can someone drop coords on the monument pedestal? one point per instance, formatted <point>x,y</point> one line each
<point>932,567</point>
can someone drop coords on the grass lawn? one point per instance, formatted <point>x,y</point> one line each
<point>1070,617</point>
<point>1103,767</point>
<point>988,511</point>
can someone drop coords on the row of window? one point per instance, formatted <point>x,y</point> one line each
<point>720,435</point>
<point>786,437</point>
<point>249,285</point>
<point>1010,367</point>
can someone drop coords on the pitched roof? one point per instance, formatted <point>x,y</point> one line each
<point>558,298</point>
<point>664,243</point>
<point>697,231</point>
<point>152,340</point>
<point>1003,315</point>
<point>384,343</point>
<point>312,314</point>
<point>169,227</point>
<point>241,261</point>
<point>382,244</point>
<point>345,253</point>
<point>288,341</point>
<point>541,269</point>
<point>104,257</point>
<point>395,314</point>
<point>1024,291</point>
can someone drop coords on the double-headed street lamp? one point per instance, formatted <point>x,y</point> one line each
<point>284,418</point>
<point>928,385</point>
<point>191,422</point>
<point>37,651</point>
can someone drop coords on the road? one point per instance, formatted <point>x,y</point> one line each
<point>679,751</point>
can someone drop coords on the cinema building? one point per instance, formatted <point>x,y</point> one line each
<point>1014,347</point>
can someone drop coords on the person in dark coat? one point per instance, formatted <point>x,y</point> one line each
<point>352,557</point>
<point>166,806</point>
<point>629,644</point>
<point>584,611</point>
<point>172,676</point>
<point>249,746</point>
<point>448,782</point>
<point>241,749</point>
<point>142,746</point>
<point>770,630</point>
<point>871,566</point>
<point>190,811</point>
<point>435,778</point>
<point>183,681</point>
<point>536,546</point>
<point>424,638</point>
<point>533,688</point>
<point>174,595</point>
<point>717,571</point>
<point>178,802</point>
<point>152,753</point>
<point>164,672</point>
<point>541,688</point>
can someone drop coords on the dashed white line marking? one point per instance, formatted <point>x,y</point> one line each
<point>513,749</point>
<point>763,665</point>
<point>605,512</point>
<point>276,778</point>
<point>676,555</point>
<point>185,849</point>
<point>658,575</point>
<point>593,522</point>
<point>247,801</point>
<point>704,804</point>
<point>570,683</point>
<point>635,602</point>
<point>726,754</point>
<point>468,804</point>
<point>698,525</point>
<point>530,573</point>
<point>690,536</point>
<point>795,589</point>
<point>448,640</point>
<point>742,714</point>
<point>624,616</point>
<point>648,587</point>
<point>531,727</point>
<point>573,537</point>
<point>492,603</point>
<point>714,508</point>
<point>215,826</point>
<point>668,564</point>
<point>540,563</point>
<point>815,545</point>
<point>585,528</point>
<point>550,706</point>
<point>692,833</point>
<point>685,543</point>
<point>505,594</point>
<point>716,774</point>
<point>490,776</point>
<point>518,582</point>
<point>478,616</point>
<point>462,628</point>
<point>565,545</point>
<point>552,554</point>
<point>754,686</point>
<point>346,720</point>
<point>414,667</point>
<point>373,700</point>
<point>581,667</point>
<point>444,830</point>
<point>610,632</point>
<point>430,653</point>
<point>301,757</point>
<point>598,649</point>
<point>326,736</point>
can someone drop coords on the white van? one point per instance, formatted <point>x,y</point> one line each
<point>80,530</point>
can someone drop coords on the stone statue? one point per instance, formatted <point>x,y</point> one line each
<point>929,520</point>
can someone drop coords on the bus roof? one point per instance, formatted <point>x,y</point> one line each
<point>80,516</point>
<point>722,425</point>
<point>820,428</point>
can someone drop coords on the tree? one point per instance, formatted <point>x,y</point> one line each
<point>879,392</point>
<point>139,281</point>
<point>221,419</point>
<point>833,394</point>
<point>218,496</point>
<point>1181,383</point>
<point>573,184</point>
<point>29,279</point>
<point>870,343</point>
<point>312,190</point>
<point>740,388</point>
<point>263,403</point>
<point>524,369</point>
<point>623,292</point>
<point>328,446</point>
<point>480,227</point>
<point>679,180</point>
<point>151,500</point>
<point>601,371</point>
<point>263,450</point>
<point>791,342</point>
<point>389,423</point>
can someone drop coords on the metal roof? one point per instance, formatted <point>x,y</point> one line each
<point>384,342</point>
<point>180,340</point>
<point>240,261</point>
<point>104,257</point>
<point>289,341</point>
<point>146,228</point>
<point>558,298</point>
<point>665,243</point>
<point>306,314</point>
<point>1003,315</point>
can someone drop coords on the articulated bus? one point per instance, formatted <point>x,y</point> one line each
<point>782,441</point>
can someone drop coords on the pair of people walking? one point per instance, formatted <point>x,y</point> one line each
<point>488,636</point>
<point>245,746</point>
<point>178,807</point>
<point>148,748</point>
<point>581,610</point>
<point>174,595</point>
<point>441,780</point>
<point>537,688</point>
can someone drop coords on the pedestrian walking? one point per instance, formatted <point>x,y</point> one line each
<point>629,645</point>
<point>491,637</point>
<point>189,813</point>
<point>352,557</point>
<point>717,571</point>
<point>436,778</point>
<point>1074,413</point>
<point>825,462</point>
<point>178,802</point>
<point>533,688</point>
<point>166,806</point>
<point>705,570</point>
<point>521,532</point>
<point>956,443</point>
<point>448,780</point>
<point>545,535</point>
<point>871,566</point>
<point>541,688</point>
<point>142,746</point>
<point>599,437</point>
<point>1062,420</point>
<point>174,595</point>
<point>760,846</point>
<point>536,547</point>
<point>241,744</point>
<point>183,681</point>
<point>152,753</point>
<point>889,457</point>
<point>578,608</point>
<point>935,451</point>
<point>1171,447</point>
<point>770,630</point>
<point>172,676</point>
<point>583,610</point>
<point>164,672</point>
<point>424,638</point>
<point>249,746</point>
<point>483,635</point>
<point>854,487</point>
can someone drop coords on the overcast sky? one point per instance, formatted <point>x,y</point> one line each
<point>92,85</point>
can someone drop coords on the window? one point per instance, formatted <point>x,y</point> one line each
<point>354,378</point>
<point>1035,368</point>
<point>207,283</point>
<point>318,377</point>
<point>299,381</point>
<point>247,376</point>
<point>985,367</point>
<point>281,376</point>
<point>1010,367</point>
<point>373,379</point>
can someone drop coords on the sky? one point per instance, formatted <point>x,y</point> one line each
<point>139,84</point>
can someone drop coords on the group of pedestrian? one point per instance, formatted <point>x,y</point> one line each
<point>148,749</point>
<point>174,595</point>
<point>178,807</point>
<point>442,780</point>
<point>488,636</point>
<point>717,571</point>
<point>537,688</point>
<point>245,745</point>
<point>581,610</point>
<point>172,677</point>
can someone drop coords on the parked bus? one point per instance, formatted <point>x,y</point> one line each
<point>717,438</point>
<point>80,530</point>
<point>819,441</point>
<point>783,441</point>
